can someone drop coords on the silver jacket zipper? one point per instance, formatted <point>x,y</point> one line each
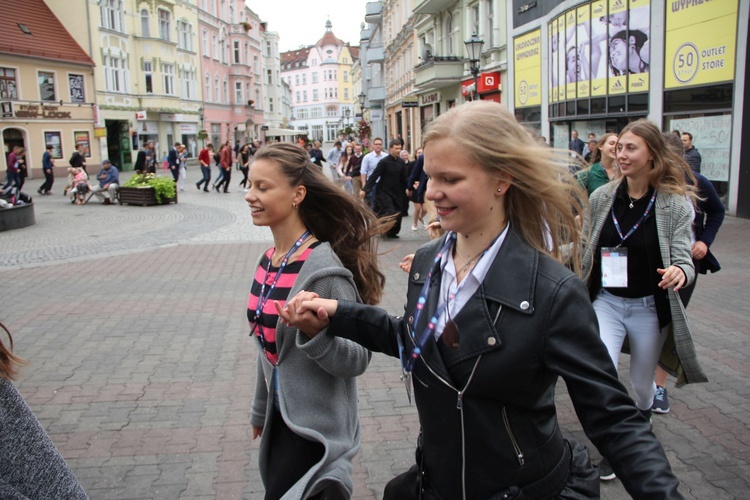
<point>519,453</point>
<point>460,408</point>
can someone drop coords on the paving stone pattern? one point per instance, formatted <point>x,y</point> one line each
<point>141,369</point>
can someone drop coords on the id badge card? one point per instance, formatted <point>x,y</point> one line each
<point>614,267</point>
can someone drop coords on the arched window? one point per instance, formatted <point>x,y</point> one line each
<point>208,88</point>
<point>145,30</point>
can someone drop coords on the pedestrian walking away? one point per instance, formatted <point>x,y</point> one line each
<point>493,318</point>
<point>305,402</point>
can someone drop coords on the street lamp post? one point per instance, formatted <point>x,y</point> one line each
<point>474,49</point>
<point>361,97</point>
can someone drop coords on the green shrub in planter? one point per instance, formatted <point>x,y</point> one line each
<point>164,187</point>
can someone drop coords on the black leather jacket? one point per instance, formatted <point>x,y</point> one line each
<point>487,408</point>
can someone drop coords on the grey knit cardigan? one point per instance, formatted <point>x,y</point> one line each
<point>30,465</point>
<point>318,390</point>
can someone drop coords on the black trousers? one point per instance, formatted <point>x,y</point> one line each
<point>245,171</point>
<point>175,172</point>
<point>49,179</point>
<point>291,457</point>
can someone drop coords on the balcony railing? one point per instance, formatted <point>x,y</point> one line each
<point>438,71</point>
<point>374,12</point>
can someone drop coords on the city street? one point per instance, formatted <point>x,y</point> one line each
<point>133,321</point>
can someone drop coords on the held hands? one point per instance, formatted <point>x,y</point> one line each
<point>672,277</point>
<point>306,311</point>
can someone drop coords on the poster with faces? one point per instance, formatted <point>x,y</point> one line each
<point>617,21</point>
<point>599,56</point>
<point>638,45</point>
<point>583,51</point>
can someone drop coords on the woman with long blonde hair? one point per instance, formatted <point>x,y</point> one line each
<point>492,320</point>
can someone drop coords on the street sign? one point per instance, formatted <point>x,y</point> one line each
<point>410,102</point>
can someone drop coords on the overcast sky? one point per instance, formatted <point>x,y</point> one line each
<point>301,22</point>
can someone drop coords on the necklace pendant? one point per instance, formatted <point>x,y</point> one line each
<point>631,204</point>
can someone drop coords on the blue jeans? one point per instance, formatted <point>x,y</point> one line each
<point>635,318</point>
<point>206,171</point>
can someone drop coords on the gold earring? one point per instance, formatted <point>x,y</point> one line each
<point>294,205</point>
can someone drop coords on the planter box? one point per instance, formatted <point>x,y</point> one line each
<point>145,196</point>
<point>17,217</point>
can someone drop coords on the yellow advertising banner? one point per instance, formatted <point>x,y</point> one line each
<point>639,30</point>
<point>560,58</point>
<point>583,53</point>
<point>527,56</point>
<point>599,47</point>
<point>553,43</point>
<point>549,64</point>
<point>701,41</point>
<point>618,46</point>
<point>571,55</point>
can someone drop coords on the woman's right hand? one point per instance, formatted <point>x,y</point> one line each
<point>307,312</point>
<point>257,431</point>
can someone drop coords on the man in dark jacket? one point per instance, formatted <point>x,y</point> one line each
<point>316,155</point>
<point>174,161</point>
<point>576,144</point>
<point>692,156</point>
<point>390,178</point>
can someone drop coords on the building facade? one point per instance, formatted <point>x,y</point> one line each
<point>319,77</point>
<point>596,65</point>
<point>46,88</point>
<point>402,115</point>
<point>372,53</point>
<point>147,61</point>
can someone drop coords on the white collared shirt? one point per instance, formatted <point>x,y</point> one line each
<point>462,292</point>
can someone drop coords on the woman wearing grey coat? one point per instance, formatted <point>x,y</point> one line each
<point>638,257</point>
<point>305,403</point>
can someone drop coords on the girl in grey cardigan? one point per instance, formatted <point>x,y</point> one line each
<point>30,465</point>
<point>305,403</point>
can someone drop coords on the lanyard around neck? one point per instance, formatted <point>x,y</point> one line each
<point>429,330</point>
<point>263,296</point>
<point>637,224</point>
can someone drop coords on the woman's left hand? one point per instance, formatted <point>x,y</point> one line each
<point>671,277</point>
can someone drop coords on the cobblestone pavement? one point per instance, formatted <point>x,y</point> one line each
<point>141,370</point>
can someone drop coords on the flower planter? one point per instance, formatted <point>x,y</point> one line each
<point>143,196</point>
<point>17,217</point>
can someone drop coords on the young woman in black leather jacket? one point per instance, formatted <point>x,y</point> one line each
<point>493,319</point>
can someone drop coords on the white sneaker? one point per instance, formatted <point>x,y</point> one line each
<point>414,227</point>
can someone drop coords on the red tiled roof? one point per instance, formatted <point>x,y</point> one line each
<point>293,56</point>
<point>329,39</point>
<point>354,51</point>
<point>48,39</point>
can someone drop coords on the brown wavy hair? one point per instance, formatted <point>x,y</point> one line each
<point>544,197</point>
<point>9,362</point>
<point>668,172</point>
<point>334,216</point>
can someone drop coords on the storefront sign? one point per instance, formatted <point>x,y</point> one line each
<point>410,102</point>
<point>430,98</point>
<point>140,115</point>
<point>178,117</point>
<point>29,111</point>
<point>100,132</point>
<point>527,57</point>
<point>700,44</point>
<point>7,108</point>
<point>188,128</point>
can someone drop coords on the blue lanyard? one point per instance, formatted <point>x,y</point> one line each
<point>429,330</point>
<point>262,296</point>
<point>637,224</point>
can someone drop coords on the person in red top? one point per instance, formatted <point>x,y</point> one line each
<point>204,158</point>
<point>226,167</point>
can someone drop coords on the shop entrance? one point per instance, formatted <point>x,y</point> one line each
<point>118,144</point>
<point>12,137</point>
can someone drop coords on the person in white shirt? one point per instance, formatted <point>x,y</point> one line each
<point>369,162</point>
